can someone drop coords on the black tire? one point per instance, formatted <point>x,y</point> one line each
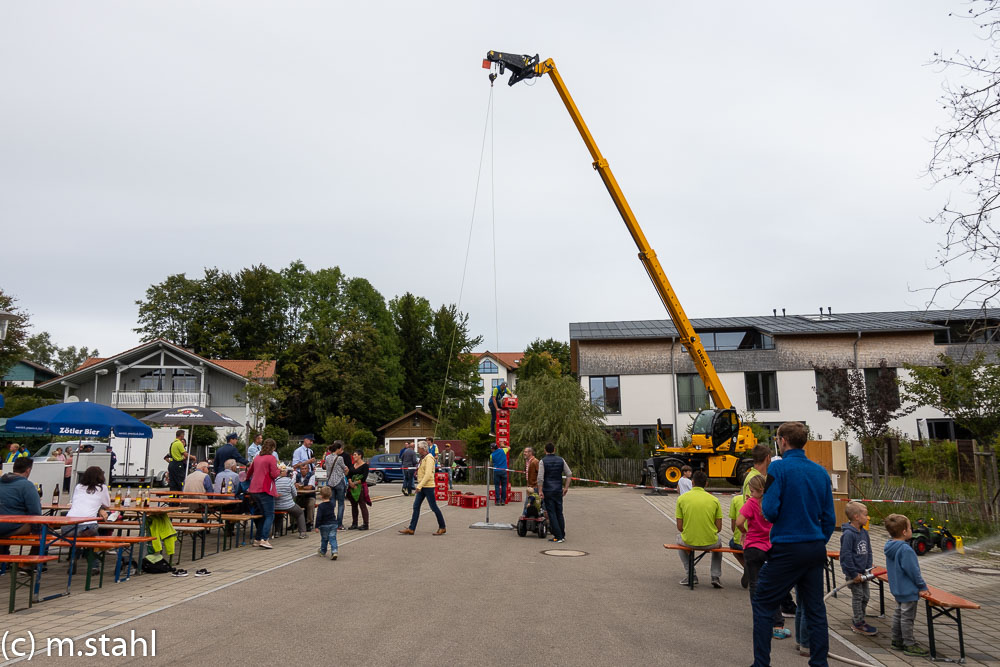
<point>380,477</point>
<point>740,472</point>
<point>522,528</point>
<point>541,529</point>
<point>669,473</point>
<point>948,544</point>
<point>921,545</point>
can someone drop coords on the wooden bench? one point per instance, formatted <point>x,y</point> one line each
<point>831,570</point>
<point>243,521</point>
<point>92,545</point>
<point>16,562</point>
<point>197,529</point>
<point>693,560</point>
<point>938,603</point>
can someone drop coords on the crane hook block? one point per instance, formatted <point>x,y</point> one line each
<point>521,67</point>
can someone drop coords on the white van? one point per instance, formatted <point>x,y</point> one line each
<point>137,464</point>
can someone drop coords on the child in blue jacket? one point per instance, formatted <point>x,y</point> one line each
<point>855,561</point>
<point>905,582</point>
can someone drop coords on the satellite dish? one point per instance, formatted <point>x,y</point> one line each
<point>72,399</point>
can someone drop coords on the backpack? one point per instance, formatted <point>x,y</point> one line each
<point>155,564</point>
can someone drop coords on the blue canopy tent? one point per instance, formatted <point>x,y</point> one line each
<point>79,420</point>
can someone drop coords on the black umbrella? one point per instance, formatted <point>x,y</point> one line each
<point>190,416</point>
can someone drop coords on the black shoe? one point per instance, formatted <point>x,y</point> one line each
<point>352,528</point>
<point>365,527</point>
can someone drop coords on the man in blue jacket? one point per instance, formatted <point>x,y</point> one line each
<point>498,459</point>
<point>226,452</point>
<point>798,501</point>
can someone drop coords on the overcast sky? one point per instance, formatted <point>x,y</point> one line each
<point>774,153</point>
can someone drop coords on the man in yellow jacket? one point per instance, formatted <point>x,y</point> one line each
<point>425,489</point>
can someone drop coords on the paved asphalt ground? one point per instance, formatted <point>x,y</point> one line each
<point>471,597</point>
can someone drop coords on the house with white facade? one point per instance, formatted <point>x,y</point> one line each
<point>638,372</point>
<point>494,368</point>
<point>158,375</point>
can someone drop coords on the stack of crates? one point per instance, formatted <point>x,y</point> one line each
<point>503,420</point>
<point>441,486</point>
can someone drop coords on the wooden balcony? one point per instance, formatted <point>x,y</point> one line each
<point>157,400</point>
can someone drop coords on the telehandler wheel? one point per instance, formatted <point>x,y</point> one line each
<point>670,473</point>
<point>740,472</point>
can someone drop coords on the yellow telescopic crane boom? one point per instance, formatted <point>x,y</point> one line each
<point>527,67</point>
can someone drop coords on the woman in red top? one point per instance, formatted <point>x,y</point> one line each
<point>757,545</point>
<point>262,473</point>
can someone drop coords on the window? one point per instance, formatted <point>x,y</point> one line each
<point>153,380</point>
<point>975,331</point>
<point>742,339</point>
<point>487,366</point>
<point>606,394</point>
<point>946,429</point>
<point>691,393</point>
<point>828,382</point>
<point>186,381</point>
<point>887,377</point>
<point>496,382</point>
<point>762,390</point>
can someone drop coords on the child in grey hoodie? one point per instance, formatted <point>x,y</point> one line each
<point>905,582</point>
<point>855,561</point>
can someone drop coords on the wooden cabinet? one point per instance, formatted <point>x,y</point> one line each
<point>832,455</point>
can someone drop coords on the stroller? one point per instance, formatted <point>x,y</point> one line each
<point>532,516</point>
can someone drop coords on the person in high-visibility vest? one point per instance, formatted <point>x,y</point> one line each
<point>14,453</point>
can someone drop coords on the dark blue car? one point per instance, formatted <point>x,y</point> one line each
<point>386,467</point>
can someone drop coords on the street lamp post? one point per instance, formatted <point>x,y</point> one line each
<point>5,319</point>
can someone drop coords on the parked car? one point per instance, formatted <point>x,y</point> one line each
<point>389,468</point>
<point>45,452</point>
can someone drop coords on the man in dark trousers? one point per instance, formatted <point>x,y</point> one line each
<point>496,402</point>
<point>408,460</point>
<point>798,501</point>
<point>226,452</point>
<point>553,483</point>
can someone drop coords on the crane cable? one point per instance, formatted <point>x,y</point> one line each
<point>487,129</point>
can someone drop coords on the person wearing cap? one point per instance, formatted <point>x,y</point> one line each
<point>226,452</point>
<point>496,402</point>
<point>304,453</point>
<point>447,460</point>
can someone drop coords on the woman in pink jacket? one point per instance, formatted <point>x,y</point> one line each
<point>262,473</point>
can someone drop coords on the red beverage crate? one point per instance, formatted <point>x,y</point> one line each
<point>454,499</point>
<point>440,495</point>
<point>503,422</point>
<point>509,402</point>
<point>469,502</point>
<point>480,501</point>
<point>493,495</point>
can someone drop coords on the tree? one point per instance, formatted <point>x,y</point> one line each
<point>339,428</point>
<point>966,154</point>
<point>538,363</point>
<point>866,409</point>
<point>411,317</point>
<point>70,358</point>
<point>40,349</point>
<point>556,348</point>
<point>452,377</point>
<point>261,396</point>
<point>555,409</point>
<point>12,347</point>
<point>968,392</point>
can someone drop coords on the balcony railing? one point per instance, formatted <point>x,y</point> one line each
<point>137,400</point>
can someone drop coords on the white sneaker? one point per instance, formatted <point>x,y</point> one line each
<point>256,543</point>
<point>264,544</point>
<point>333,555</point>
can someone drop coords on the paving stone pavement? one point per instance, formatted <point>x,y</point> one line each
<point>981,627</point>
<point>86,612</point>
<point>119,605</point>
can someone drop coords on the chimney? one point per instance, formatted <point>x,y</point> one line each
<point>782,312</point>
<point>419,407</point>
<point>775,311</point>
<point>829,311</point>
